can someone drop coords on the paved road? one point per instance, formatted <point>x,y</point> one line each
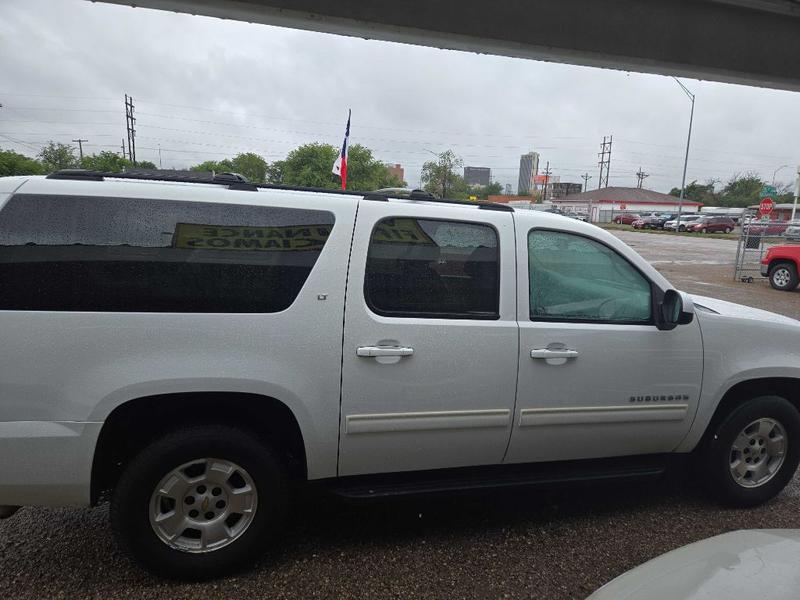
<point>661,249</point>
<point>498,545</point>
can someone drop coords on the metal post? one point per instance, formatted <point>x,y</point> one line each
<point>686,159</point>
<point>796,193</point>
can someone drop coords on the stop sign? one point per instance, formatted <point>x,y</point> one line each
<point>766,206</point>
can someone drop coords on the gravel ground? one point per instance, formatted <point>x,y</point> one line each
<point>505,544</point>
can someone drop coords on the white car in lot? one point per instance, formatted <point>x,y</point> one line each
<point>195,349</point>
<point>686,220</point>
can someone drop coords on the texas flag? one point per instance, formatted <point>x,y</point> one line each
<point>340,166</point>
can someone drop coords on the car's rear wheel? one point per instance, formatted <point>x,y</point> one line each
<point>754,452</point>
<point>728,230</point>
<point>199,502</point>
<point>783,276</point>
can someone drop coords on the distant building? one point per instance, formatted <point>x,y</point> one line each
<point>528,169</point>
<point>559,189</point>
<point>397,171</point>
<point>605,204</point>
<point>478,176</point>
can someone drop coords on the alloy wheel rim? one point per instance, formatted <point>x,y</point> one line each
<point>203,505</point>
<point>781,277</point>
<point>757,453</point>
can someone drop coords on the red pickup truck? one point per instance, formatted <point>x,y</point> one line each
<point>782,265</point>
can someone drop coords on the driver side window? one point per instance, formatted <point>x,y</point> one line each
<point>574,278</point>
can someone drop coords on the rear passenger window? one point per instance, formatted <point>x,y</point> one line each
<point>75,253</point>
<point>433,269</point>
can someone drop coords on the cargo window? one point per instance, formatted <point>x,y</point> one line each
<point>574,278</point>
<point>433,269</point>
<point>76,253</point>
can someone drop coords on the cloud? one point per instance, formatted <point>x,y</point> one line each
<point>206,88</point>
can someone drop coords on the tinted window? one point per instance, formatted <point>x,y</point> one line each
<point>576,278</point>
<point>133,255</point>
<point>433,269</point>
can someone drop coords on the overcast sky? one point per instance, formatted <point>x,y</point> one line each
<point>208,89</point>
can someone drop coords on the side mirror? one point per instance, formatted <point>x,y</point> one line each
<point>675,309</point>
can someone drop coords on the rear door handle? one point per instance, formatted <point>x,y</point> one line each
<point>384,351</point>
<point>560,353</point>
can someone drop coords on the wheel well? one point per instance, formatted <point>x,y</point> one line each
<point>777,261</point>
<point>785,387</point>
<point>133,425</point>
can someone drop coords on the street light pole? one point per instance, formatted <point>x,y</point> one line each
<point>686,159</point>
<point>775,172</point>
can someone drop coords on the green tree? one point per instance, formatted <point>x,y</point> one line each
<point>146,164</point>
<point>12,163</point>
<point>440,177</point>
<point>248,164</point>
<point>56,156</point>
<point>207,166</point>
<point>742,190</point>
<point>106,161</point>
<point>697,192</point>
<point>310,166</point>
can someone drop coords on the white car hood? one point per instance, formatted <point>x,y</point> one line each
<point>730,309</point>
<point>746,564</point>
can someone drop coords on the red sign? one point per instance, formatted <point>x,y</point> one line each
<point>766,206</point>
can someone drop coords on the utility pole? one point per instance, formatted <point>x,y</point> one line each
<point>691,97</point>
<point>586,177</point>
<point>123,147</point>
<point>159,157</point>
<point>547,173</point>
<point>641,176</point>
<point>130,125</point>
<point>605,162</point>
<point>796,193</point>
<point>79,141</point>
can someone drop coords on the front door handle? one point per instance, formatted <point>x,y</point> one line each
<point>384,351</point>
<point>556,353</point>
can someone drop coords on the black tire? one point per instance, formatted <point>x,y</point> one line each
<point>783,276</point>
<point>130,504</point>
<point>681,229</point>
<point>716,452</point>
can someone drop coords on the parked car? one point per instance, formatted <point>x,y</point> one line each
<point>782,265</point>
<point>753,563</point>
<point>625,218</point>
<point>765,228</point>
<point>686,219</point>
<point>792,231</point>
<point>196,350</point>
<point>646,223</point>
<point>711,225</point>
<point>660,220</point>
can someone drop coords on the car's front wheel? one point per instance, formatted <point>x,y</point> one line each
<point>754,452</point>
<point>783,276</point>
<point>199,502</point>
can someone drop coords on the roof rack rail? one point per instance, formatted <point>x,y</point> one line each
<point>235,181</point>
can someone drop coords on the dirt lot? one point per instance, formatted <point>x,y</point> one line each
<point>498,545</point>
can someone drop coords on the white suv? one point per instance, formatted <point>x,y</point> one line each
<point>191,350</point>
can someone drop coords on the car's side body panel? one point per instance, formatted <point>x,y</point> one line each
<point>67,371</point>
<point>740,344</point>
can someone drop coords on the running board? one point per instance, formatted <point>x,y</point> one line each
<point>498,476</point>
